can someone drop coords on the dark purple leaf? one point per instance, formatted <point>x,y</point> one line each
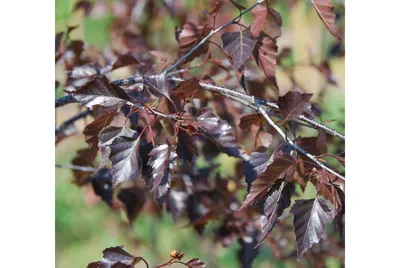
<point>100,92</point>
<point>158,85</point>
<point>186,146</point>
<point>254,167</point>
<point>219,131</point>
<point>276,166</point>
<point>310,218</point>
<point>294,103</point>
<point>133,199</point>
<point>248,250</point>
<point>86,71</point>
<point>196,263</point>
<point>126,163</point>
<point>107,136</point>
<point>112,256</point>
<point>102,185</point>
<point>162,162</point>
<point>239,46</point>
<point>274,205</point>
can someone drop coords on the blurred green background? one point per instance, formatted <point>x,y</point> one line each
<point>85,226</point>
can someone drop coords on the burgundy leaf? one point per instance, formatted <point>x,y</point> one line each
<point>113,256</point>
<point>239,46</point>
<point>102,185</point>
<point>187,88</point>
<point>276,166</point>
<point>162,163</point>
<point>253,167</point>
<point>196,263</point>
<point>158,85</point>
<point>107,136</point>
<point>124,155</point>
<point>122,60</point>
<point>310,218</point>
<point>265,53</point>
<point>85,158</point>
<point>58,40</point>
<point>86,71</point>
<point>219,131</point>
<point>186,146</point>
<point>100,92</point>
<point>247,121</point>
<point>191,35</point>
<point>274,205</point>
<point>266,20</point>
<point>133,199</point>
<point>294,103</point>
<point>92,130</point>
<point>240,7</point>
<point>326,13</point>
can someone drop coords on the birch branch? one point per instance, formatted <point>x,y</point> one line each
<point>74,167</point>
<point>239,95</point>
<point>300,150</point>
<point>214,31</point>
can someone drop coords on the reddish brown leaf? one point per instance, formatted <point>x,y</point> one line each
<point>265,53</point>
<point>239,46</point>
<point>191,35</point>
<point>85,158</point>
<point>276,166</point>
<point>266,20</point>
<point>187,88</point>
<point>247,121</point>
<point>240,7</point>
<point>326,13</point>
<point>122,60</point>
<point>92,130</point>
<point>294,103</point>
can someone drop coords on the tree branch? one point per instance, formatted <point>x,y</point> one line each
<point>302,151</point>
<point>80,115</point>
<point>65,100</point>
<point>184,57</point>
<point>80,168</point>
<point>243,96</point>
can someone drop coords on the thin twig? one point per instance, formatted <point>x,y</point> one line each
<point>80,115</point>
<point>65,100</point>
<point>74,167</point>
<point>142,259</point>
<point>240,95</point>
<point>302,151</point>
<point>214,31</point>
